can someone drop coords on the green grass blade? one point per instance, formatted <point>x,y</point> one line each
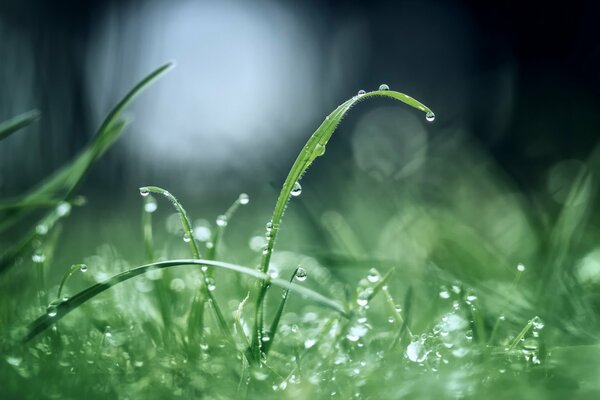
<point>185,220</point>
<point>63,182</point>
<point>277,318</point>
<point>314,148</point>
<point>9,127</point>
<point>189,235</point>
<point>65,307</point>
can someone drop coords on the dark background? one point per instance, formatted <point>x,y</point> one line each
<point>521,77</point>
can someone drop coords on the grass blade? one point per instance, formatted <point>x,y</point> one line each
<point>45,321</point>
<point>277,318</point>
<point>9,127</point>
<point>189,237</point>
<point>64,181</point>
<point>314,148</point>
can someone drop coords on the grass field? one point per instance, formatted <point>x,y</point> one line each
<point>451,283</point>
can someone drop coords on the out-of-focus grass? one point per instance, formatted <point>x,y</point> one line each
<point>461,286</point>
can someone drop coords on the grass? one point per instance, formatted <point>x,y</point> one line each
<point>449,285</point>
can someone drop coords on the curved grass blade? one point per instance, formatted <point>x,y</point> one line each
<point>9,127</point>
<point>45,321</point>
<point>185,220</point>
<point>188,234</point>
<point>64,181</point>
<point>314,148</point>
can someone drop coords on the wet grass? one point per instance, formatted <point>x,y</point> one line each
<point>449,285</point>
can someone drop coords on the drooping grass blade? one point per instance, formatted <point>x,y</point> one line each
<point>9,127</point>
<point>65,307</point>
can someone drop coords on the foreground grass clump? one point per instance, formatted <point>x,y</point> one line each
<point>405,294</point>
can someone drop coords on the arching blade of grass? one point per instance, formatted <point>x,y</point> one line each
<point>314,148</point>
<point>9,127</point>
<point>277,318</point>
<point>65,307</point>
<point>189,237</point>
<point>64,181</point>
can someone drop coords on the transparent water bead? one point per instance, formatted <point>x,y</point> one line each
<point>187,238</point>
<point>150,205</point>
<point>63,209</point>
<point>83,267</point>
<point>144,191</point>
<point>373,276</point>
<point>38,257</point>
<point>52,309</point>
<point>320,149</point>
<point>520,267</point>
<point>416,350</point>
<point>222,220</point>
<point>356,332</point>
<point>244,199</point>
<point>296,190</point>
<point>41,229</point>
<point>361,92</point>
<point>537,323</point>
<point>430,117</point>
<point>301,274</point>
<point>444,293</point>
<point>384,87</point>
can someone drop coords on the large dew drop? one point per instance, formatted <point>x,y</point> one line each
<point>301,274</point>
<point>144,191</point>
<point>222,220</point>
<point>384,87</point>
<point>430,117</point>
<point>361,92</point>
<point>151,205</point>
<point>296,190</point>
<point>244,199</point>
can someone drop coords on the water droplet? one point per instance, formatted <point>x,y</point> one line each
<point>430,117</point>
<point>363,298</point>
<point>416,351</point>
<point>361,92</point>
<point>83,267</point>
<point>187,238</point>
<point>210,284</point>
<point>537,323</point>
<point>356,332</point>
<point>150,205</point>
<point>444,294</point>
<point>391,320</point>
<point>265,337</point>
<point>244,199</point>
<point>296,190</point>
<point>63,209</point>
<point>384,87</point>
<point>373,276</point>
<point>470,298</point>
<point>14,361</point>
<point>144,191</point>
<point>52,309</point>
<point>38,257</point>
<point>520,267</point>
<point>41,229</point>
<point>320,149</point>
<point>301,274</point>
<point>308,343</point>
<point>222,220</point>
